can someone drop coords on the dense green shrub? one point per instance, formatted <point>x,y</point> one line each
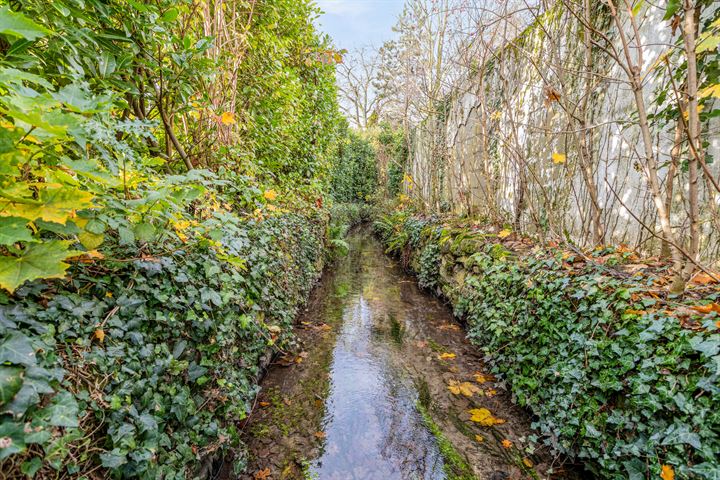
<point>176,363</point>
<point>611,371</point>
<point>354,173</point>
<point>393,146</point>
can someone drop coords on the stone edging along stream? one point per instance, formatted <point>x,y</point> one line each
<point>616,374</point>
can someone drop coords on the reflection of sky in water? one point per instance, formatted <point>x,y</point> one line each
<point>373,430</point>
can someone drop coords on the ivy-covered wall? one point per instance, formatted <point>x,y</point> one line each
<point>617,375</point>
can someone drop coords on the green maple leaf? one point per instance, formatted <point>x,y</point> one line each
<point>44,260</point>
<point>14,229</point>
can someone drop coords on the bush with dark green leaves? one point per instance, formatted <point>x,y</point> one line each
<point>354,175</point>
<point>145,363</point>
<point>620,378</point>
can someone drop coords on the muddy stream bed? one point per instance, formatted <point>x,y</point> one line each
<point>380,386</point>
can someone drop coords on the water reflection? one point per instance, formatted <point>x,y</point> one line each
<point>372,427</point>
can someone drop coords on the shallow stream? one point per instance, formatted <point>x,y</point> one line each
<point>380,386</point>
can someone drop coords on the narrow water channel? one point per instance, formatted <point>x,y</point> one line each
<point>367,391</point>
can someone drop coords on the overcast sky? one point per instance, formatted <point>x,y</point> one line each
<point>357,23</point>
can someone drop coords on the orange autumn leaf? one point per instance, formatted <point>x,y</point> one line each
<point>227,118</point>
<point>270,194</point>
<point>667,473</point>
<point>264,404</point>
<point>446,356</point>
<point>479,438</point>
<point>703,278</point>
<point>320,435</point>
<point>506,443</point>
<point>99,335</point>
<point>262,474</point>
<point>712,307</point>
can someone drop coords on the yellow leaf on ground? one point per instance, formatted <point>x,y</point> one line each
<point>484,417</point>
<point>463,388</point>
<point>99,335</point>
<point>446,356</point>
<point>482,378</point>
<point>667,473</point>
<point>270,195</point>
<point>558,158</point>
<point>527,462</point>
<point>504,233</point>
<point>227,118</point>
<point>507,443</point>
<point>479,438</point>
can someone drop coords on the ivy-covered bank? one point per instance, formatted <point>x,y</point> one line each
<point>617,374</point>
<point>143,364</point>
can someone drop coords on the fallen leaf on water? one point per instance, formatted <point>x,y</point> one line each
<point>463,388</point>
<point>506,443</point>
<point>320,435</point>
<point>446,356</point>
<point>667,473</point>
<point>527,462</point>
<point>484,417</point>
<point>262,474</point>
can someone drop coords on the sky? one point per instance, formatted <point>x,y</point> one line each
<point>357,23</point>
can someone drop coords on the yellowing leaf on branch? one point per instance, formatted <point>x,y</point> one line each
<point>483,417</point>
<point>463,388</point>
<point>54,204</point>
<point>667,473</point>
<point>227,118</point>
<point>270,195</point>
<point>558,158</point>
<point>711,91</point>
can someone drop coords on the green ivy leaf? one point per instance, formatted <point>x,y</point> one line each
<point>672,8</point>
<point>44,260</point>
<point>16,348</point>
<point>17,24</point>
<point>63,410</point>
<point>10,382</point>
